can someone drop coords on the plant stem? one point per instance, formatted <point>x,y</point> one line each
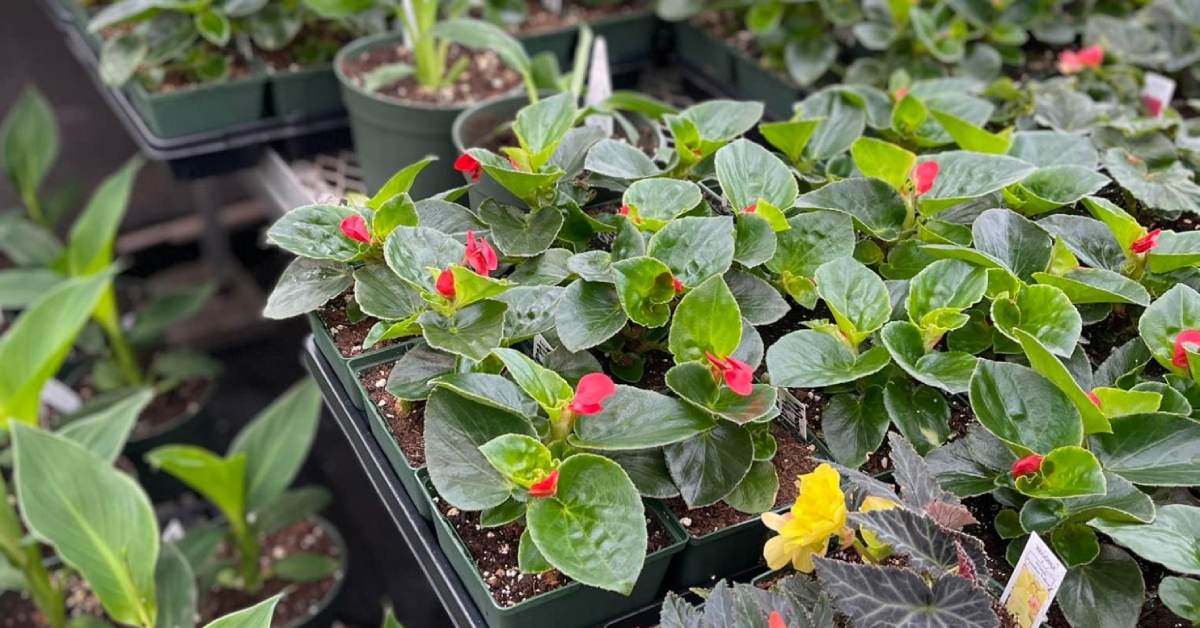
<point>124,356</point>
<point>34,206</point>
<point>28,559</point>
<point>249,551</point>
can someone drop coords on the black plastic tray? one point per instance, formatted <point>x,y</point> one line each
<point>198,154</point>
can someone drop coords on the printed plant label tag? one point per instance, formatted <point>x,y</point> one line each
<point>1157,93</point>
<point>599,85</point>
<point>1033,584</point>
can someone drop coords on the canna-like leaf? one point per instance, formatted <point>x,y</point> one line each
<point>175,587</point>
<point>276,442</point>
<point>29,139</point>
<point>98,520</point>
<point>221,480</point>
<point>105,431</point>
<point>257,616</point>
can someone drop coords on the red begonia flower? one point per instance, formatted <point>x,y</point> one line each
<point>775,620</point>
<point>1187,339</point>
<point>1094,398</point>
<point>624,211</point>
<point>445,284</point>
<point>1029,465</point>
<point>1146,242</point>
<point>737,374</point>
<point>1091,57</point>
<point>1154,106</point>
<point>924,175</point>
<point>590,394</point>
<point>901,93</point>
<point>751,208</point>
<point>678,285</point>
<point>355,228</point>
<point>547,487</point>
<point>1068,62</point>
<point>480,255</point>
<point>469,166</point>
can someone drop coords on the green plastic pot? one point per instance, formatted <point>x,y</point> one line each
<point>711,56</point>
<point>389,135</point>
<point>717,555</point>
<point>753,81</point>
<point>405,471</point>
<point>572,606</point>
<point>201,108</point>
<point>345,368</point>
<point>471,128</point>
<point>305,92</point>
<point>630,37</point>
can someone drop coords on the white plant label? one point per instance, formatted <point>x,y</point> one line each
<point>1033,584</point>
<point>1157,92</point>
<point>60,397</point>
<point>599,85</point>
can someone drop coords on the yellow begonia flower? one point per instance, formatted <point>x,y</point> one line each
<point>869,504</point>
<point>819,513</point>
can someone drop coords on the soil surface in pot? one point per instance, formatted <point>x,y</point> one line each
<point>303,598</point>
<point>407,425</point>
<point>485,76</point>
<point>792,458</point>
<point>17,609</point>
<point>539,20</point>
<point>494,551</point>
<point>348,335</point>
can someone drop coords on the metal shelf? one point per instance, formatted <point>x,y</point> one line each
<point>417,533</point>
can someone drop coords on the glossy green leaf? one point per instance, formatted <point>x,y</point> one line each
<point>883,160</point>
<point>815,238</point>
<point>1157,449</point>
<point>949,370</point>
<point>971,137</point>
<point>645,288</point>
<point>314,231</point>
<point>588,314</point>
<point>1066,472</point>
<point>1023,408</point>
<point>522,460</point>
<point>790,137</point>
<point>1174,251</point>
<point>1106,593</point>
<point>964,175</point>
<point>856,296</point>
<point>658,201</point>
<point>757,491</point>
<point>874,205</point>
<point>545,386</point>
<point>710,465</point>
<point>695,248</point>
<point>812,359</point>
<point>1094,285</point>
<point>598,509</point>
<point>706,320</point>
<point>1173,312</point>
<point>1052,368</point>
<point>694,382</point>
<point>471,332</point>
<point>635,419</point>
<point>1182,596</point>
<point>1042,311</point>
<point>257,616</point>
<point>748,172</point>
<point>276,442</point>
<point>1170,540</point>
<point>1122,501</point>
<point>619,160</point>
<point>1052,148</point>
<point>854,427</point>
<point>521,233</point>
<point>306,285</point>
<point>920,413</point>
<point>1052,187</point>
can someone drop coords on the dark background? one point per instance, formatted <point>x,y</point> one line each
<point>261,359</point>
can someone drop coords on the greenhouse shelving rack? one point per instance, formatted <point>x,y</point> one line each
<point>201,154</point>
<point>417,532</point>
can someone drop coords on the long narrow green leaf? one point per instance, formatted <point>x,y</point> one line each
<point>277,441</point>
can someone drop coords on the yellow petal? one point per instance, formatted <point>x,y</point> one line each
<point>776,553</point>
<point>775,521</point>
<point>872,503</point>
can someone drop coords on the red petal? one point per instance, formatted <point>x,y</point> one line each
<point>1146,242</point>
<point>624,211</point>
<point>591,392</point>
<point>751,208</point>
<point>1029,465</point>
<point>739,376</point>
<point>468,165</point>
<point>1153,105</point>
<point>1091,57</point>
<point>547,487</point>
<point>1094,399</point>
<point>901,93</point>
<point>714,360</point>
<point>1068,62</point>
<point>355,228</point>
<point>445,284</point>
<point>678,285</point>
<point>775,620</point>
<point>1188,338</point>
<point>924,175</point>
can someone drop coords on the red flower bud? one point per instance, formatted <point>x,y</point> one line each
<point>1146,242</point>
<point>590,394</point>
<point>1029,465</point>
<point>545,488</point>
<point>1091,57</point>
<point>1092,397</point>
<point>480,255</point>
<point>677,284</point>
<point>355,228</point>
<point>445,284</point>
<point>469,166</point>
<point>924,175</point>
<point>751,208</point>
<point>737,374</point>
<point>901,93</point>
<point>775,620</point>
<point>1187,339</point>
<point>1154,106</point>
<point>624,211</point>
